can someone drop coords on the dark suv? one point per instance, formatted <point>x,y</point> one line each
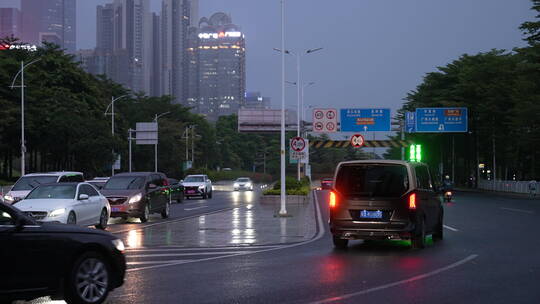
<point>137,194</point>
<point>384,199</point>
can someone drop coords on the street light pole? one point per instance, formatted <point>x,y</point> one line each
<point>23,140</point>
<point>283,208</point>
<point>156,145</point>
<point>111,105</point>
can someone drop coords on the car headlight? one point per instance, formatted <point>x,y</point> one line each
<point>119,245</point>
<point>57,212</point>
<point>8,198</point>
<point>248,185</point>
<point>134,199</point>
<point>236,184</point>
<point>201,187</point>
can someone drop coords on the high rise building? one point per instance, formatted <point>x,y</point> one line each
<point>10,22</point>
<point>217,76</point>
<point>254,100</point>
<point>155,81</point>
<point>50,20</point>
<point>175,21</point>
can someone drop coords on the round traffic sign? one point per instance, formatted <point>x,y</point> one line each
<point>357,140</point>
<point>319,126</point>
<point>330,114</point>
<point>298,144</point>
<point>330,126</point>
<point>319,114</point>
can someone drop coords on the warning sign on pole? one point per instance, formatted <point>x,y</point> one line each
<point>299,149</point>
<point>357,140</point>
<point>325,120</point>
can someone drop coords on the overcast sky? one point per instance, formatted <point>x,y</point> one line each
<point>375,51</point>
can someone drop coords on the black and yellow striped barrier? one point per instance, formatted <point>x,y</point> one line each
<point>367,143</point>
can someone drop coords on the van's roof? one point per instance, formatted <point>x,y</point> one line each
<point>376,161</point>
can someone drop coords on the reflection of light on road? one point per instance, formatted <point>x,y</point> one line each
<point>202,230</point>
<point>134,239</point>
<point>242,232</point>
<point>236,197</point>
<point>249,196</point>
<point>332,270</point>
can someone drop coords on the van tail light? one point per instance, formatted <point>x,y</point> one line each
<point>412,201</point>
<point>333,199</point>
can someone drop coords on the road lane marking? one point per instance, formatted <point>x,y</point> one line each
<point>319,235</point>
<point>152,262</point>
<point>189,209</point>
<point>450,228</point>
<point>518,210</point>
<point>182,254</point>
<point>406,281</point>
<point>196,248</point>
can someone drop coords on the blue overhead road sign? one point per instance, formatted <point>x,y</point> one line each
<point>410,122</point>
<point>441,120</point>
<point>364,120</point>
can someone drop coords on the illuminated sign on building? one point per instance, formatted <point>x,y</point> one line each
<point>220,35</point>
<point>31,48</point>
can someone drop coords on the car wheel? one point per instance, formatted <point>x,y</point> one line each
<point>166,211</point>
<point>72,219</point>
<point>438,233</point>
<point>340,243</point>
<point>89,280</point>
<point>146,214</point>
<point>103,220</point>
<point>210,194</point>
<point>418,241</point>
<point>205,195</point>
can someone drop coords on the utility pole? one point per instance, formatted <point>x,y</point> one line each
<point>193,145</point>
<point>130,138</point>
<point>453,159</point>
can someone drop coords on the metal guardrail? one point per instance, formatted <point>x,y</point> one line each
<point>510,186</point>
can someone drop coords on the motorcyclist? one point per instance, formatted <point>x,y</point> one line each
<point>447,184</point>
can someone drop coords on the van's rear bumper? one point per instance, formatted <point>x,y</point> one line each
<point>372,230</point>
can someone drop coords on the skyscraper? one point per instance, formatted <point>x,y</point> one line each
<point>217,73</point>
<point>175,20</point>
<point>10,22</point>
<point>50,20</point>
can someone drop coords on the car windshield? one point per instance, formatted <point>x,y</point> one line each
<point>31,182</point>
<point>243,180</point>
<point>53,192</point>
<point>372,180</point>
<point>194,179</point>
<point>124,183</point>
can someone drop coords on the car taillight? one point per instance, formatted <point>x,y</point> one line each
<point>412,201</point>
<point>333,199</point>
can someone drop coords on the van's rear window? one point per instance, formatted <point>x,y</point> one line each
<point>372,180</point>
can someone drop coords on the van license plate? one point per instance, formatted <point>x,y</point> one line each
<point>371,214</point>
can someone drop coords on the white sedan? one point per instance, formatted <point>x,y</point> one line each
<point>68,203</point>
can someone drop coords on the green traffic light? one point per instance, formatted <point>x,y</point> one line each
<point>415,153</point>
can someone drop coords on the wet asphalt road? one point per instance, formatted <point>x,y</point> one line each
<point>490,254</point>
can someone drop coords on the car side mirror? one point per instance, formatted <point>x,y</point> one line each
<point>83,197</point>
<point>152,186</point>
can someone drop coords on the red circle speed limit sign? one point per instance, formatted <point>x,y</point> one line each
<point>357,140</point>
<point>298,144</point>
<point>319,114</point>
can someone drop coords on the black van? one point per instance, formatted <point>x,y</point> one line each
<point>384,199</point>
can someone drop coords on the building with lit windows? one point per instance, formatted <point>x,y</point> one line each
<point>10,22</point>
<point>216,67</point>
<point>49,20</point>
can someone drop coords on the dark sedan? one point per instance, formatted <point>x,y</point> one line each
<point>177,190</point>
<point>79,265</point>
